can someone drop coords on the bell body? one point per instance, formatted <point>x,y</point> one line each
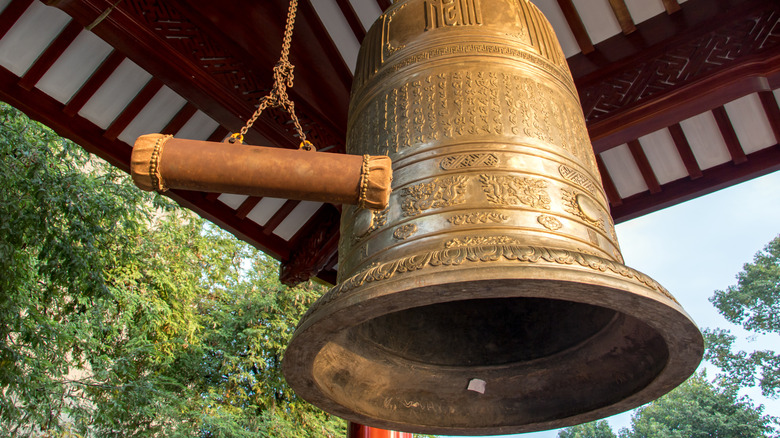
<point>490,296</point>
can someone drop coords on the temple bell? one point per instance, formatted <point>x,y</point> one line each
<point>490,296</point>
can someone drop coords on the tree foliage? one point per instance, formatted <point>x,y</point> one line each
<point>699,409</point>
<point>754,303</point>
<point>695,409</point>
<point>595,429</point>
<point>124,315</point>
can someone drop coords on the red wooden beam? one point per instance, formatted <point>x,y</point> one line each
<point>772,111</point>
<point>609,186</point>
<point>50,55</point>
<point>180,119</point>
<point>98,78</point>
<point>133,108</point>
<point>729,135</point>
<point>11,14</point>
<point>576,25</point>
<point>759,163</point>
<point>644,166</point>
<point>685,151</point>
<point>352,18</point>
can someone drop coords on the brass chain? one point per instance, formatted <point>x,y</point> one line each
<point>283,78</point>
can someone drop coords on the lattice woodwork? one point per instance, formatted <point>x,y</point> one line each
<point>680,65</point>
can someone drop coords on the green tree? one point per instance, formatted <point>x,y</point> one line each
<point>698,409</point>
<point>695,409</point>
<point>596,429</point>
<point>754,303</point>
<point>124,315</point>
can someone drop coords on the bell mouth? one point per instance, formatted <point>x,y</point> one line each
<point>482,332</point>
<point>513,360</point>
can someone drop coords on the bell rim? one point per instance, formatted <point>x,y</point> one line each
<point>680,334</point>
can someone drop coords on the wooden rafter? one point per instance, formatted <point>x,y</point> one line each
<point>352,18</point>
<point>11,13</point>
<point>769,103</point>
<point>50,55</point>
<point>671,6</point>
<point>383,4</point>
<point>133,108</point>
<point>609,186</point>
<point>246,207</point>
<point>729,135</point>
<point>180,119</point>
<point>279,216</point>
<point>577,26</point>
<point>644,166</point>
<point>623,16</point>
<point>98,78</point>
<point>685,151</point>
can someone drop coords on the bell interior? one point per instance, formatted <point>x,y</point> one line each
<point>483,332</point>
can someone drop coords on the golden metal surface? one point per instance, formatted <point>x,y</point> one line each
<point>496,258</point>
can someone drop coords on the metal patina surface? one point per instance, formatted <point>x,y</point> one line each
<point>491,295</point>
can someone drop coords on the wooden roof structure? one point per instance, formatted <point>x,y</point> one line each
<point>680,97</point>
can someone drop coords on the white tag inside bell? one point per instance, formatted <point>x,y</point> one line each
<point>477,385</point>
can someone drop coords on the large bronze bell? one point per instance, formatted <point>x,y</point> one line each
<point>490,296</point>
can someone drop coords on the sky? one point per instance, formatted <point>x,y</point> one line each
<point>697,247</point>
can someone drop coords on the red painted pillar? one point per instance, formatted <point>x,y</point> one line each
<point>359,431</point>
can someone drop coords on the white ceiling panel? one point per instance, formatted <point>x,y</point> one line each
<point>198,127</point>
<point>642,10</point>
<point>663,156</point>
<point>598,18</point>
<point>297,219</point>
<point>552,11</point>
<point>115,94</point>
<point>705,140</point>
<point>231,200</point>
<point>367,10</point>
<point>30,36</point>
<point>265,210</point>
<point>74,66</point>
<point>160,110</point>
<point>623,170</point>
<point>339,30</point>
<point>4,3</point>
<point>750,123</point>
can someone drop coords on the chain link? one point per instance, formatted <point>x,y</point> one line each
<point>283,78</point>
